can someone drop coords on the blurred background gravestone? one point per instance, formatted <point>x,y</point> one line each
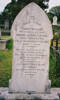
<point>3,42</point>
<point>6,24</point>
<point>0,33</point>
<point>55,20</point>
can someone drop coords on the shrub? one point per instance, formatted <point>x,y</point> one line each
<point>9,44</point>
<point>56,82</point>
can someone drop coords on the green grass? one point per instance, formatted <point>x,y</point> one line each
<point>9,37</point>
<point>5,67</point>
<point>6,64</point>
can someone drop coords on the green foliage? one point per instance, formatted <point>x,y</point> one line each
<point>59,22</point>
<point>56,29</point>
<point>1,19</point>
<point>9,44</point>
<point>54,72</point>
<point>56,32</point>
<point>58,65</point>
<point>13,8</point>
<point>13,1</point>
<point>52,64</point>
<point>41,3</point>
<point>56,82</point>
<point>55,11</point>
<point>50,16</point>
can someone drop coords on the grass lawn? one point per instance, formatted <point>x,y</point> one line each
<point>9,37</point>
<point>5,67</point>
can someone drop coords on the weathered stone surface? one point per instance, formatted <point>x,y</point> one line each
<point>31,32</point>
<point>13,96</point>
<point>4,93</point>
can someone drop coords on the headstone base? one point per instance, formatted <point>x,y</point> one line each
<point>47,89</point>
<point>14,96</point>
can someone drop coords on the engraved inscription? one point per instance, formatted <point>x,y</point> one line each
<point>29,50</point>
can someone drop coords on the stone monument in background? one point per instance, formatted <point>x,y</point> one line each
<point>6,25</point>
<point>0,33</point>
<point>55,20</point>
<point>31,33</point>
<point>3,42</point>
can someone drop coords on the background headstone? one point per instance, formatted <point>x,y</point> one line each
<point>0,33</point>
<point>31,32</point>
<point>6,24</point>
<point>55,20</point>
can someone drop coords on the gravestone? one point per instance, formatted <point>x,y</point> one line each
<point>3,42</point>
<point>31,32</point>
<point>0,33</point>
<point>55,20</point>
<point>6,26</point>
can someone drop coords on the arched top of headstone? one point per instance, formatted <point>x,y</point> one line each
<point>32,17</point>
<point>55,17</point>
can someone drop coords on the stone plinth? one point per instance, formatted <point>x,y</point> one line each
<point>3,44</point>
<point>4,94</point>
<point>14,96</point>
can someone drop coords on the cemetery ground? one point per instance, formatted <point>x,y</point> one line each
<point>6,65</point>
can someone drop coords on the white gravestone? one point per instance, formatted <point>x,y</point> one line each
<point>31,32</point>
<point>6,24</point>
<point>0,33</point>
<point>55,20</point>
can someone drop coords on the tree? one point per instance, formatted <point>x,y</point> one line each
<point>55,11</point>
<point>13,1</point>
<point>13,8</point>
<point>50,16</point>
<point>42,3</point>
